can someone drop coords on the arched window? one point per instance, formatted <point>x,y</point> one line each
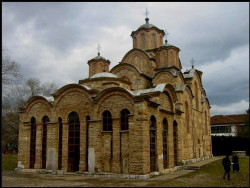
<point>73,142</point>
<point>196,95</point>
<point>154,40</point>
<point>124,119</point>
<point>143,41</point>
<point>107,121</point>
<point>164,142</point>
<point>32,142</point>
<point>135,45</point>
<point>175,141</point>
<point>164,54</point>
<point>87,142</point>
<point>44,142</point>
<point>187,117</point>
<point>152,135</point>
<point>60,143</point>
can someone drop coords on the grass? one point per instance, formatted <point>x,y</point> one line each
<point>9,161</point>
<point>213,173</point>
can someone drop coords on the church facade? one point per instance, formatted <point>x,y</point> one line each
<point>142,116</point>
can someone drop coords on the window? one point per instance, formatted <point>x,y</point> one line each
<point>175,140</point>
<point>152,135</point>
<point>124,119</point>
<point>60,144</point>
<point>196,95</point>
<point>164,142</point>
<point>87,142</point>
<point>221,129</point>
<point>154,40</point>
<point>187,117</point>
<point>73,142</point>
<point>206,128</point>
<point>44,142</point>
<point>32,142</point>
<point>143,41</point>
<point>107,121</point>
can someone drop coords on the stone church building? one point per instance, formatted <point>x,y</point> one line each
<point>142,116</point>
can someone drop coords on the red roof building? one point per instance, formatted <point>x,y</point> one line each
<point>226,125</point>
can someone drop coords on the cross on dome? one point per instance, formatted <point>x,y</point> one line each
<point>98,48</point>
<point>166,34</point>
<point>192,62</point>
<point>147,13</point>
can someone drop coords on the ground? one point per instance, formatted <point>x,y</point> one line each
<point>209,175</point>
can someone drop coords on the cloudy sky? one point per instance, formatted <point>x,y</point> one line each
<point>54,41</point>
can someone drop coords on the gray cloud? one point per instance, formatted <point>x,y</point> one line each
<point>54,41</point>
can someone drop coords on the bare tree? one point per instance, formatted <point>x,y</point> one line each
<point>10,69</point>
<point>30,88</point>
<point>18,96</point>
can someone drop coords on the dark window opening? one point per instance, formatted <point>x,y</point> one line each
<point>32,142</point>
<point>164,140</point>
<point>175,140</point>
<point>107,121</point>
<point>44,142</point>
<point>73,142</point>
<point>152,135</point>
<point>124,119</point>
<point>87,142</point>
<point>60,144</point>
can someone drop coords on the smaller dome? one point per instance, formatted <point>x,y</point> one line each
<point>99,57</point>
<point>104,74</point>
<point>147,26</point>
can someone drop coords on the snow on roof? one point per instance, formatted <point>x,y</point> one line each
<point>159,87</point>
<point>104,74</point>
<point>48,98</point>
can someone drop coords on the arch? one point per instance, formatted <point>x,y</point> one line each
<point>60,130</point>
<point>32,142</point>
<point>124,119</point>
<point>28,104</point>
<point>45,120</point>
<point>87,143</point>
<point>107,122</point>
<point>153,144</point>
<point>165,142</point>
<point>175,141</point>
<point>73,141</point>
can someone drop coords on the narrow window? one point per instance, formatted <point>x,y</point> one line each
<point>32,142</point>
<point>124,119</point>
<point>60,143</point>
<point>73,142</point>
<point>107,126</point>
<point>154,40</point>
<point>152,135</point>
<point>87,142</point>
<point>206,128</point>
<point>175,141</point>
<point>44,142</point>
<point>196,95</point>
<point>165,140</point>
<point>107,121</point>
<point>143,41</point>
<point>187,117</point>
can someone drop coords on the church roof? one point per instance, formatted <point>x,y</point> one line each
<point>104,74</point>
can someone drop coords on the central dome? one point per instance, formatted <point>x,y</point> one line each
<point>104,74</point>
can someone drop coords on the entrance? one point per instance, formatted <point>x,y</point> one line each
<point>73,142</point>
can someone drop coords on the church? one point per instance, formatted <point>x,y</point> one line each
<point>142,116</point>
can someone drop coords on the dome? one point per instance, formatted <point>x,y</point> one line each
<point>147,26</point>
<point>104,74</point>
<point>99,57</point>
